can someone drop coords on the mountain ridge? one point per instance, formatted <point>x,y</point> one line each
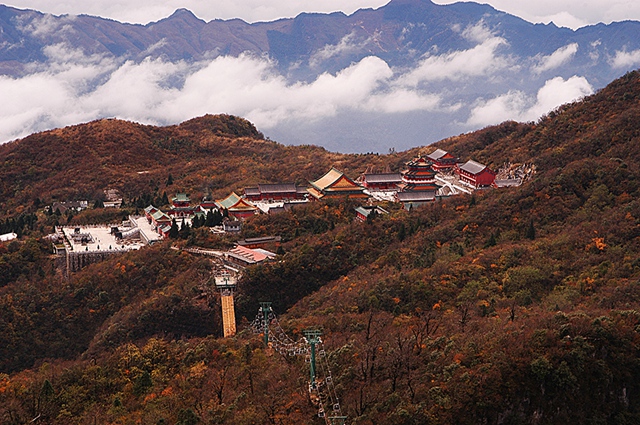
<point>145,36</point>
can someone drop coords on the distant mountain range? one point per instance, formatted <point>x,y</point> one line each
<point>427,71</point>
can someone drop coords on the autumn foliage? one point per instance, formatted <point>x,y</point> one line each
<point>511,306</point>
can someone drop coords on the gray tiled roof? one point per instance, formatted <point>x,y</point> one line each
<point>437,154</point>
<point>473,167</point>
<point>277,188</point>
<point>251,191</point>
<point>416,195</point>
<point>383,178</point>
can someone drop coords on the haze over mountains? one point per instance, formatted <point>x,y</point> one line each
<point>406,74</point>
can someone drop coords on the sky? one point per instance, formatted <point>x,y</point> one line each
<point>568,13</point>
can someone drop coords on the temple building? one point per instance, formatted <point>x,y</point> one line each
<point>181,200</point>
<point>236,206</point>
<point>242,256</point>
<point>157,218</point>
<point>415,198</point>
<point>418,175</point>
<point>275,192</point>
<point>475,174</point>
<point>181,207</point>
<point>208,202</point>
<point>381,182</point>
<point>418,185</point>
<point>364,212</point>
<point>335,184</point>
<point>442,160</point>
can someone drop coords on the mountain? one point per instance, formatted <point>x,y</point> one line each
<point>399,33</point>
<point>458,67</point>
<point>513,305</point>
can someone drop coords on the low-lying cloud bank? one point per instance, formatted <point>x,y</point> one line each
<point>71,87</point>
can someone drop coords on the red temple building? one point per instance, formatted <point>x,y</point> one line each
<point>157,218</point>
<point>181,200</point>
<point>208,202</point>
<point>364,212</point>
<point>381,181</point>
<point>442,160</point>
<point>475,174</point>
<point>418,185</point>
<point>419,175</point>
<point>275,192</point>
<point>181,207</point>
<point>236,206</point>
<point>335,184</point>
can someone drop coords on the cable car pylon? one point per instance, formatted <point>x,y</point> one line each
<point>313,338</point>
<point>322,390</point>
<point>265,309</point>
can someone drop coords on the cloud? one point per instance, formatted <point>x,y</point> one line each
<point>46,25</point>
<point>348,44</point>
<point>624,59</point>
<point>478,33</point>
<point>568,13</point>
<point>556,59</point>
<point>73,88</point>
<point>480,60</point>
<point>516,105</point>
<point>562,19</point>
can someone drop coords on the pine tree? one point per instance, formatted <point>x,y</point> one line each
<point>531,231</point>
<point>492,241</point>
<point>217,218</point>
<point>209,219</point>
<point>185,230</point>
<point>174,232</point>
<point>402,232</point>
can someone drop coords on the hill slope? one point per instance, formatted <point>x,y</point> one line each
<point>210,154</point>
<point>510,306</point>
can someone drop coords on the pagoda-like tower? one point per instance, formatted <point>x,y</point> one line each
<point>418,175</point>
<point>226,284</point>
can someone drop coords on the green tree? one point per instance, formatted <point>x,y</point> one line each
<point>174,232</point>
<point>531,231</point>
<point>185,230</point>
<point>187,417</point>
<point>142,383</point>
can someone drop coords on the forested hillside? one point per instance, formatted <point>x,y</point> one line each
<point>512,306</point>
<point>206,155</point>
